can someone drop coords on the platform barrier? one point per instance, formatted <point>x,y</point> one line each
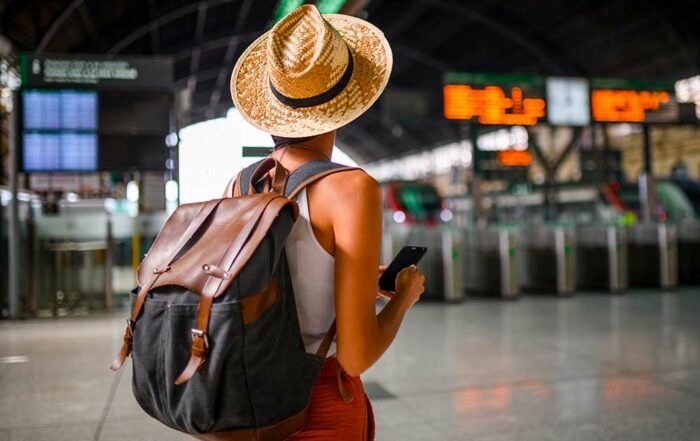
<point>653,256</point>
<point>441,265</point>
<point>86,261</point>
<point>688,253</point>
<point>547,259</point>
<point>601,254</point>
<point>490,264</point>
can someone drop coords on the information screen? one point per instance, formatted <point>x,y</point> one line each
<point>568,101</point>
<point>494,99</point>
<point>59,151</point>
<point>59,130</point>
<point>59,110</point>
<point>614,100</point>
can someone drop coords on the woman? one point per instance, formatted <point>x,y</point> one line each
<point>305,78</point>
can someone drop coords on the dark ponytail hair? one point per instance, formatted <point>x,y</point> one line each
<point>281,141</point>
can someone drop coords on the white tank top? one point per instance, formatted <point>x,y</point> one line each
<point>313,272</point>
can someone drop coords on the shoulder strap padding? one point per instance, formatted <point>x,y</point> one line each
<point>307,173</point>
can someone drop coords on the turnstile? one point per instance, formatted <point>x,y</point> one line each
<point>547,259</point>
<point>601,253</point>
<point>490,261</point>
<point>441,264</point>
<point>73,264</point>
<point>688,253</point>
<point>653,256</point>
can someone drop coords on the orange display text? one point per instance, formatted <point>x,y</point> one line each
<point>490,105</point>
<point>514,158</point>
<point>626,105</point>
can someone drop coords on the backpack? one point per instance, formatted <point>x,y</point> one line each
<point>213,333</point>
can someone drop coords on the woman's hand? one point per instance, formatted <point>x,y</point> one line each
<point>382,293</point>
<point>415,279</point>
<point>409,283</point>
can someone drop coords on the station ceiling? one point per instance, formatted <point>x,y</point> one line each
<point>645,39</point>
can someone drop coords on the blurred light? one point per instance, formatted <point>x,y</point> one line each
<point>624,129</point>
<point>170,164</point>
<point>399,217</point>
<point>132,191</point>
<point>514,158</point>
<point>446,215</point>
<point>72,197</point>
<point>171,139</point>
<point>171,191</point>
<point>513,138</point>
<point>424,164</point>
<point>283,8</point>
<point>688,91</point>
<point>110,205</point>
<point>538,178</point>
<point>330,6</point>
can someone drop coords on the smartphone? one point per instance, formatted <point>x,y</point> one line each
<point>409,255</point>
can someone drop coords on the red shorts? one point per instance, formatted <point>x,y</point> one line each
<point>333,419</point>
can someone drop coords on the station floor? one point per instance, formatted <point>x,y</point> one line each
<point>591,367</point>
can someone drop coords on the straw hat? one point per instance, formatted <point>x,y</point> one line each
<point>311,74</point>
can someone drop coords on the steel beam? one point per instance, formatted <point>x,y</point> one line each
<point>173,15</point>
<point>13,224</point>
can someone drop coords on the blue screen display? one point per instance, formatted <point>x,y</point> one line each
<point>59,130</point>
<point>59,151</point>
<point>59,110</point>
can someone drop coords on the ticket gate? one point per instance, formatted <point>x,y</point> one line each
<point>73,264</point>
<point>688,253</point>
<point>547,259</point>
<point>490,261</point>
<point>601,254</point>
<point>441,264</point>
<point>653,256</point>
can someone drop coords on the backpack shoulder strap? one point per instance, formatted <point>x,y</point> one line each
<point>311,172</point>
<point>244,176</point>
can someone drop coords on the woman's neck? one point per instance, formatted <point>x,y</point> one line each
<point>314,148</point>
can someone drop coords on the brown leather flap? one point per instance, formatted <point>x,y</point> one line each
<point>221,231</point>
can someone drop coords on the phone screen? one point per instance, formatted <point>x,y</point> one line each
<point>409,255</point>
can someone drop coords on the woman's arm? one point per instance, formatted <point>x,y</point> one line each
<point>363,336</point>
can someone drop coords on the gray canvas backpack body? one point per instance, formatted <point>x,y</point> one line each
<point>213,332</point>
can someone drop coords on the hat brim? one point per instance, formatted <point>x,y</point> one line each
<point>253,98</point>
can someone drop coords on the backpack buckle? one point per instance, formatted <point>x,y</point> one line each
<point>201,334</point>
<point>215,271</point>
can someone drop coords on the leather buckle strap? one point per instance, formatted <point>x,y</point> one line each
<point>198,356</point>
<point>127,344</point>
<point>198,220</point>
<point>279,179</point>
<point>215,271</point>
<point>322,352</point>
<point>199,334</point>
<point>200,343</point>
<point>325,345</point>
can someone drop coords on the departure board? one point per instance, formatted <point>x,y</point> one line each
<point>59,110</point>
<point>494,99</point>
<point>57,151</point>
<point>616,100</point>
<point>59,130</point>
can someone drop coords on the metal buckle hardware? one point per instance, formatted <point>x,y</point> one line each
<point>201,334</point>
<point>215,271</point>
<point>165,269</point>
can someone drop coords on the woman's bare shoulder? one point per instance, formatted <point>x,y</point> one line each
<point>356,180</point>
<point>347,193</point>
